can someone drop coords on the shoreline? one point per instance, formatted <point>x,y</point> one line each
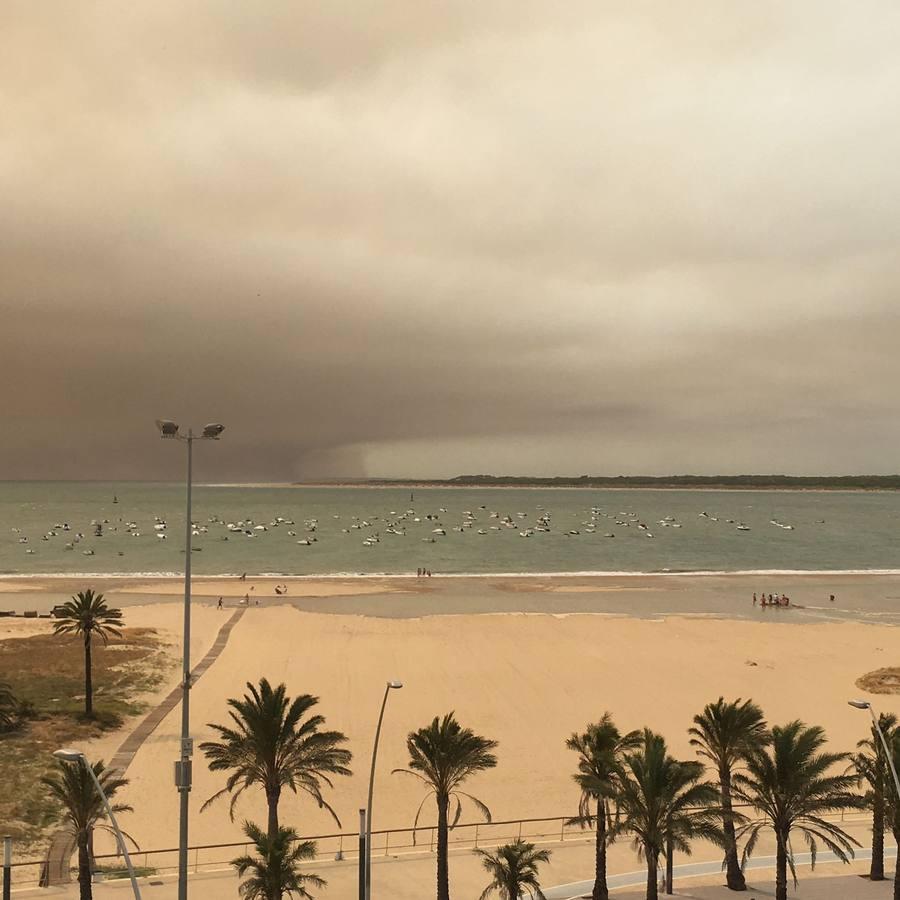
<point>815,597</point>
<point>352,576</point>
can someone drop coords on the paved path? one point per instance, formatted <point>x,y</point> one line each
<point>61,847</point>
<point>579,889</point>
<point>124,756</point>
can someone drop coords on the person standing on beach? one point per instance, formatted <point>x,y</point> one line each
<point>220,603</point>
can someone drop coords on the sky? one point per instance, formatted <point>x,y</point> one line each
<point>406,239</point>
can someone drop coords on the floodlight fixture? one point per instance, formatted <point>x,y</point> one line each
<point>212,431</point>
<point>167,428</point>
<point>183,769</point>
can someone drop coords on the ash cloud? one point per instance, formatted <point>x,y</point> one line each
<point>396,239</point>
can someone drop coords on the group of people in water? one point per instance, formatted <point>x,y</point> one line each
<point>772,600</point>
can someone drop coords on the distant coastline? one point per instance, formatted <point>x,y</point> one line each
<point>636,482</point>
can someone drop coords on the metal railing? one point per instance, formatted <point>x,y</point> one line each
<point>344,846</point>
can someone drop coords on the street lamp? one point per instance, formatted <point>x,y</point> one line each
<point>169,430</point>
<point>77,757</point>
<point>864,704</point>
<point>391,685</point>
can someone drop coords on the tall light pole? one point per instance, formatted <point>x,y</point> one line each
<point>864,704</point>
<point>169,430</point>
<point>391,685</point>
<point>78,757</point>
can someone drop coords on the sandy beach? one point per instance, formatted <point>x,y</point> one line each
<point>547,657</point>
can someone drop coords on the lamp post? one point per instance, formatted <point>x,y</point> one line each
<point>77,757</point>
<point>169,430</point>
<point>362,855</point>
<point>864,704</point>
<point>391,685</point>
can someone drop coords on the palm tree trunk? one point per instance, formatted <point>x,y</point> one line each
<point>652,866</point>
<point>781,867</point>
<point>734,877</point>
<point>88,685</point>
<point>670,857</point>
<point>443,872</point>
<point>601,891</point>
<point>272,798</point>
<point>84,869</point>
<point>876,870</point>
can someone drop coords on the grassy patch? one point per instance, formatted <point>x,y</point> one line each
<point>48,671</point>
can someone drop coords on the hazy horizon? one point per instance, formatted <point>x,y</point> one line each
<point>382,239</point>
<point>338,480</point>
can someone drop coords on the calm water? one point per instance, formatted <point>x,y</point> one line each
<point>831,531</point>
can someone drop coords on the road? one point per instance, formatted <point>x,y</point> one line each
<point>579,889</point>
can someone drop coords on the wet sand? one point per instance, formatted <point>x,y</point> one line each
<point>858,597</point>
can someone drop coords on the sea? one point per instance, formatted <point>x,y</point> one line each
<point>83,528</point>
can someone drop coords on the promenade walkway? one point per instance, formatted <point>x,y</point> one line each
<point>411,881</point>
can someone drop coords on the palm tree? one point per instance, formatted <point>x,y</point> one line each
<point>443,755</point>
<point>83,808</point>
<point>724,733</point>
<point>599,751</point>
<point>892,804</point>
<point>269,743</point>
<point>87,614</point>
<point>693,811</point>
<point>275,868</point>
<point>872,767</point>
<point>514,869</point>
<point>664,804</point>
<point>789,786</point>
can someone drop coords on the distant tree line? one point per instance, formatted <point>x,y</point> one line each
<point>808,482</point>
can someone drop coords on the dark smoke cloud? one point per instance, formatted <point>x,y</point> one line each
<point>417,239</point>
